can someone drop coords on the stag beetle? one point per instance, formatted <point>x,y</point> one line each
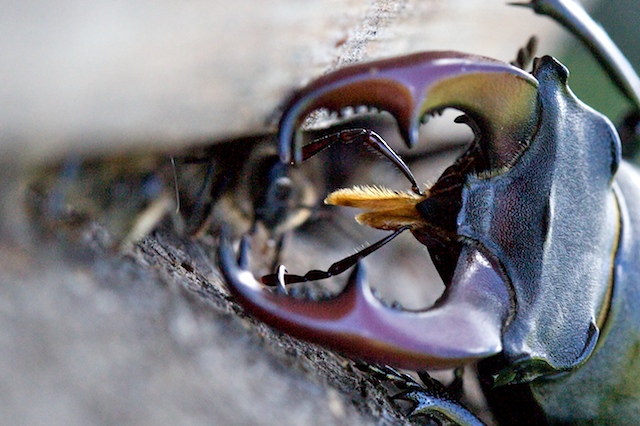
<point>245,183</point>
<point>531,229</point>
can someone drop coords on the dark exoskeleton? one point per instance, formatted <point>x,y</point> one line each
<point>243,182</point>
<point>532,230</point>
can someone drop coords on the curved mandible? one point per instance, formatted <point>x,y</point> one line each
<point>467,327</point>
<point>498,97</point>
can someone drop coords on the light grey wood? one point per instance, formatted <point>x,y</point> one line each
<point>99,76</point>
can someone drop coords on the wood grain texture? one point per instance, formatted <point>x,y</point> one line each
<point>96,77</point>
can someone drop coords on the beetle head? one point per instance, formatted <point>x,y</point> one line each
<point>528,210</point>
<point>552,221</point>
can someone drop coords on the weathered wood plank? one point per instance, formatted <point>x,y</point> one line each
<point>98,76</point>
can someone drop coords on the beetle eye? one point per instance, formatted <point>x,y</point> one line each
<point>283,189</point>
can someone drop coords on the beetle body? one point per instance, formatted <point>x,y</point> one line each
<point>532,230</point>
<point>606,389</point>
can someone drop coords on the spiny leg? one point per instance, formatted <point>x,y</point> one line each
<point>433,400</point>
<point>365,136</point>
<point>375,141</point>
<point>198,214</point>
<point>573,17</point>
<point>335,269</point>
<point>526,54</point>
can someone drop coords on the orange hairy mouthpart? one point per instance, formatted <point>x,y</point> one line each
<point>387,209</point>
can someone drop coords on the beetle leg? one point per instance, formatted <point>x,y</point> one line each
<point>466,328</point>
<point>526,54</point>
<point>198,213</point>
<point>335,269</point>
<point>438,406</point>
<point>433,400</point>
<point>368,137</point>
<point>573,17</point>
<point>455,388</point>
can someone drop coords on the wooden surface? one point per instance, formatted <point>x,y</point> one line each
<point>96,76</point>
<point>147,337</point>
<point>146,333</point>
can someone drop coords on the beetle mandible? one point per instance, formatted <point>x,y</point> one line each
<point>532,230</point>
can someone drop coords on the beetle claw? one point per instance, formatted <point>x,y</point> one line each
<point>433,403</point>
<point>414,86</point>
<point>357,324</point>
<point>282,271</point>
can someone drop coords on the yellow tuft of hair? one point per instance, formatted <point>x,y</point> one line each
<point>371,197</point>
<point>387,209</point>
